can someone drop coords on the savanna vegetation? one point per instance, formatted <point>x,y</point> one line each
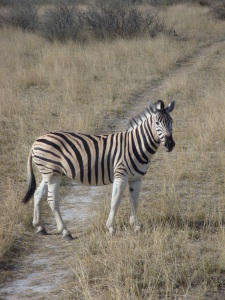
<point>80,73</point>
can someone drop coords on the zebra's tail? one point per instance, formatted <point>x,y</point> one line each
<point>31,179</point>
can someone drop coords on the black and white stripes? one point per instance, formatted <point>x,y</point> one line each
<point>118,158</point>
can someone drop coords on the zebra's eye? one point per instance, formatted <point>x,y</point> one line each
<point>157,123</point>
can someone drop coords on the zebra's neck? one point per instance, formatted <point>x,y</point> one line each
<point>145,138</point>
<point>136,121</point>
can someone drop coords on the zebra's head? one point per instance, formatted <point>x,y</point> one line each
<point>163,123</point>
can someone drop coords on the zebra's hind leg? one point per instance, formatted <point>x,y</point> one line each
<point>119,186</point>
<point>53,201</point>
<point>134,197</point>
<point>39,195</point>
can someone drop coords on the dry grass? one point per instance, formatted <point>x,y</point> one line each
<point>194,22</point>
<point>70,86</point>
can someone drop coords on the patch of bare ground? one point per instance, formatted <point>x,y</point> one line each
<point>45,272</point>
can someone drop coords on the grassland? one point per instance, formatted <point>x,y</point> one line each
<point>44,87</point>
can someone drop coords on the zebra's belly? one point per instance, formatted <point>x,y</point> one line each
<point>93,177</point>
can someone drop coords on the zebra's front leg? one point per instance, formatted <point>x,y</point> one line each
<point>39,195</point>
<point>134,197</point>
<point>119,186</point>
<point>53,201</point>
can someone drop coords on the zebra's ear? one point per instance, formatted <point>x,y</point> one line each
<point>159,105</point>
<point>156,107</point>
<point>170,106</point>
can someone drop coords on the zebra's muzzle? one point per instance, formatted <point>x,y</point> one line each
<point>169,143</point>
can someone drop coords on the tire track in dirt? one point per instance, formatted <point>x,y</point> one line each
<point>42,273</point>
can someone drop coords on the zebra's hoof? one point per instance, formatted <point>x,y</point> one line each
<point>68,237</point>
<point>42,231</point>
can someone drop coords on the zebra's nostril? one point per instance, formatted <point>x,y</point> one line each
<point>169,144</point>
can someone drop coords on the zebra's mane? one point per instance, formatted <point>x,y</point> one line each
<point>134,122</point>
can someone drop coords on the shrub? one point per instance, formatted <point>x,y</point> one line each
<point>164,2</point>
<point>115,18</point>
<point>218,9</point>
<point>61,23</point>
<point>5,2</point>
<point>105,20</point>
<point>22,16</point>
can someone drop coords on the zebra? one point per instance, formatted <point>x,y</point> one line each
<point>119,158</point>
